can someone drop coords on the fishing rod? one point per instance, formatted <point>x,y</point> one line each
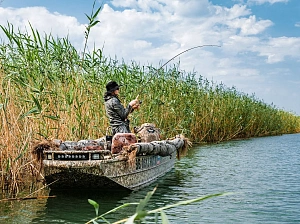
<point>199,46</point>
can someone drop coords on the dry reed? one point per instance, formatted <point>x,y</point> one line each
<point>47,92</point>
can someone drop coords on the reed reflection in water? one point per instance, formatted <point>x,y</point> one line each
<point>264,173</point>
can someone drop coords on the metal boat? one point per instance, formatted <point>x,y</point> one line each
<point>135,166</point>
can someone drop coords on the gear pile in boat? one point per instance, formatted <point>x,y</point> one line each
<point>145,141</point>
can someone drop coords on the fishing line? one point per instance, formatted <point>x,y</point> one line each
<point>207,45</point>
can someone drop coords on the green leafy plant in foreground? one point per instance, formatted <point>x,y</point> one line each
<point>141,213</point>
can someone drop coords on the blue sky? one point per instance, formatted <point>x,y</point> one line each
<point>259,39</point>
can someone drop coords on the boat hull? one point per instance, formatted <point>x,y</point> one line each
<point>109,173</point>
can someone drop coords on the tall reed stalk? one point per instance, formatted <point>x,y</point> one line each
<point>44,94</point>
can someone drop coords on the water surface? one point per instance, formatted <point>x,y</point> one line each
<point>263,173</point>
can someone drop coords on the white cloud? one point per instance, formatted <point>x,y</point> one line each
<point>187,8</point>
<point>250,26</point>
<point>153,31</point>
<point>234,12</point>
<point>277,49</point>
<point>43,21</point>
<point>125,3</point>
<point>139,34</point>
<point>260,2</point>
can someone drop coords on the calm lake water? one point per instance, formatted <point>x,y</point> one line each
<point>263,173</point>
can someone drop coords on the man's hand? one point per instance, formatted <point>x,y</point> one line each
<point>133,103</point>
<point>136,106</point>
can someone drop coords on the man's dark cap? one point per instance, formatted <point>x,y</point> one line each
<point>112,86</point>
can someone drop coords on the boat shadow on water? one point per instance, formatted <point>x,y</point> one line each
<point>72,206</point>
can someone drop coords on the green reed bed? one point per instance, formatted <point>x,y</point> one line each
<point>49,91</point>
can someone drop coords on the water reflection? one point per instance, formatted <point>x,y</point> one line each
<point>21,211</point>
<point>264,173</point>
<point>73,207</point>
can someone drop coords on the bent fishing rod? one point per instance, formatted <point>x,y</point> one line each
<point>199,46</point>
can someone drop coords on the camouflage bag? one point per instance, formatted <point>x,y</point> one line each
<point>147,133</point>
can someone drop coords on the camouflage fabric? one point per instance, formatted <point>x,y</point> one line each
<point>147,132</point>
<point>117,114</point>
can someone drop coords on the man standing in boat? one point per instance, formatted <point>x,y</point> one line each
<point>116,112</point>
